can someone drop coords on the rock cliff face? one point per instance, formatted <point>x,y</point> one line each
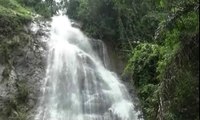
<point>111,59</point>
<point>22,68</point>
<point>117,65</point>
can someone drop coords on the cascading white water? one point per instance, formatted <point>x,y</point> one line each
<point>78,86</point>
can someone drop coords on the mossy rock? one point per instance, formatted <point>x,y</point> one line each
<point>12,17</point>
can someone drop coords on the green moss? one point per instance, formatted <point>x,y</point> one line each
<point>12,17</point>
<point>11,7</point>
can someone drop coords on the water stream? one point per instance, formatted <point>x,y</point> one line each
<point>78,84</point>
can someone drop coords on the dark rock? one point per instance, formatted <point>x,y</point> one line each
<point>26,64</point>
<point>76,24</point>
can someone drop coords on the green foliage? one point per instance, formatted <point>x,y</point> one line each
<point>11,7</point>
<point>12,17</point>
<point>99,17</point>
<point>177,73</point>
<point>168,50</point>
<point>143,64</point>
<point>38,6</point>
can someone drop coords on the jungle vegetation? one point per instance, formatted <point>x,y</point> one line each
<point>158,38</point>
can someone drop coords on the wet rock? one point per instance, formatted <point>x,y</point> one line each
<point>26,64</point>
<point>1,72</point>
<point>100,48</point>
<point>76,24</point>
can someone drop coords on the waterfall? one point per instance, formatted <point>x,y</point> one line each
<point>78,84</point>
